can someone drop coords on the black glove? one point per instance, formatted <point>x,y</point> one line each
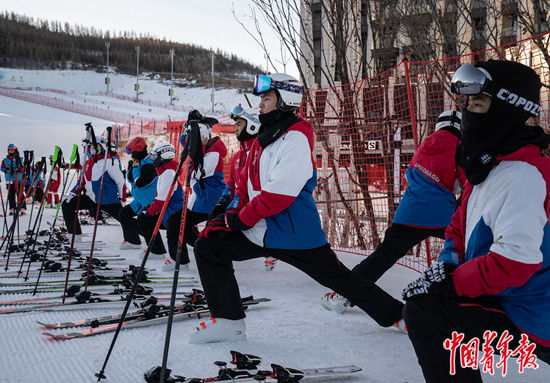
<point>435,280</point>
<point>234,223</point>
<point>220,206</point>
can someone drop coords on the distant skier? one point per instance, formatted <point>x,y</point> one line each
<point>142,176</point>
<point>425,209</point>
<point>163,156</point>
<point>206,182</point>
<point>12,166</point>
<point>52,198</point>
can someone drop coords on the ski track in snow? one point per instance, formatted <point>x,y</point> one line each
<point>292,329</point>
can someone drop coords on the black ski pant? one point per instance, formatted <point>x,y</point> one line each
<point>13,196</point>
<point>398,240</point>
<point>38,194</point>
<point>130,228</point>
<point>431,319</point>
<point>189,236</point>
<point>214,260</point>
<point>69,211</point>
<point>146,224</point>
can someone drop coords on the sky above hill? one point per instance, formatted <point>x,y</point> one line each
<point>209,23</point>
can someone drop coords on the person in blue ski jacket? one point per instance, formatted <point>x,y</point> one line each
<point>142,176</point>
<point>12,167</point>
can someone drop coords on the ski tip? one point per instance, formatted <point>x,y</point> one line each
<point>52,337</point>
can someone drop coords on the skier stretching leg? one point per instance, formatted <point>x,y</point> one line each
<point>274,213</point>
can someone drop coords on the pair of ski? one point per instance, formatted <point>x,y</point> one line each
<point>104,284</point>
<point>246,370</point>
<point>151,313</point>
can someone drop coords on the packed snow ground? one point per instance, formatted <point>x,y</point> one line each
<point>292,329</point>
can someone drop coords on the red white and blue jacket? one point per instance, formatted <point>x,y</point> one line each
<point>114,186</point>
<point>500,237</point>
<point>166,174</point>
<point>203,200</point>
<point>237,174</point>
<point>278,200</point>
<point>429,199</point>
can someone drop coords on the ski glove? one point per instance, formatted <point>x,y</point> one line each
<point>435,280</point>
<point>220,226</point>
<point>220,207</point>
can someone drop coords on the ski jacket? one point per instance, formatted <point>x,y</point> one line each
<point>39,179</point>
<point>429,199</point>
<point>205,192</point>
<point>144,195</point>
<point>113,181</point>
<point>166,174</point>
<point>11,167</point>
<point>500,238</point>
<point>237,173</point>
<point>277,201</point>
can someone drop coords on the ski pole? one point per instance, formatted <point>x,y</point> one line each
<point>79,194</point>
<point>11,231</point>
<point>59,160</point>
<point>175,283</point>
<point>39,215</point>
<point>91,256</point>
<point>42,164</point>
<point>5,225</point>
<point>101,374</point>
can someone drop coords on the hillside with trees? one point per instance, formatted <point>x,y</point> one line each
<point>31,43</point>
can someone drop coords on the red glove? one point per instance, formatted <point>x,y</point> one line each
<point>223,224</point>
<point>215,228</point>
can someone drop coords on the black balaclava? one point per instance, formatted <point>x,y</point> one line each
<point>502,128</point>
<point>275,123</point>
<point>139,155</point>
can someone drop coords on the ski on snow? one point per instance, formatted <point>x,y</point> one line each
<point>246,370</point>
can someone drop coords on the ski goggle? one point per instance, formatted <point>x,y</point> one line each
<point>263,83</point>
<point>237,111</point>
<point>128,151</point>
<point>469,80</point>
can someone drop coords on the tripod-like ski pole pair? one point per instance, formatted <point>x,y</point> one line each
<point>183,160</point>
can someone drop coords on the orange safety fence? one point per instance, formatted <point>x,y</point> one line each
<point>367,132</point>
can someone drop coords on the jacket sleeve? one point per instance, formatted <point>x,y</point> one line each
<point>293,168</point>
<point>163,187</point>
<point>115,172</point>
<point>518,231</point>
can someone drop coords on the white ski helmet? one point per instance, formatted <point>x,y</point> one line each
<point>289,90</point>
<point>162,153</point>
<point>251,118</point>
<point>205,130</point>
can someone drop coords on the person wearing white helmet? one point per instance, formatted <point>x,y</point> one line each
<point>163,155</point>
<point>425,209</point>
<point>206,183</point>
<point>274,214</point>
<point>112,196</point>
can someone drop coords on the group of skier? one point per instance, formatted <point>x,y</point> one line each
<point>25,180</point>
<point>492,274</point>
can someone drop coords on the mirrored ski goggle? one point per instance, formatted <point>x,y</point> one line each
<point>237,111</point>
<point>263,83</point>
<point>469,80</point>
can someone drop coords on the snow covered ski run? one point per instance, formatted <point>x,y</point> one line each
<point>246,370</point>
<point>150,314</point>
